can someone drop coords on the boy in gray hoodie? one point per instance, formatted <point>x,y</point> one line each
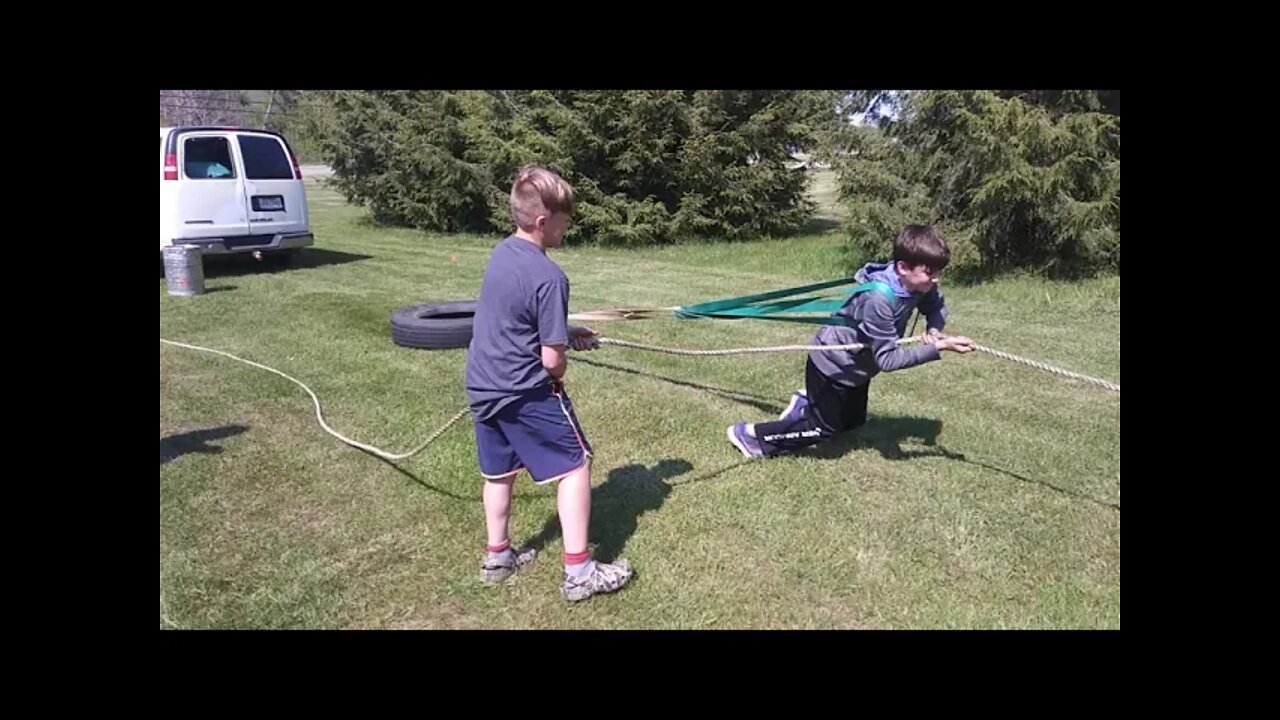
<point>836,381</point>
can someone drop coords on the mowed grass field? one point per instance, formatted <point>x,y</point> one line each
<point>981,493</point>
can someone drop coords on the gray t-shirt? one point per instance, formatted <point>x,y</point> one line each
<point>523,305</point>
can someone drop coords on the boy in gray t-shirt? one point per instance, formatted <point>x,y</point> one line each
<point>524,419</point>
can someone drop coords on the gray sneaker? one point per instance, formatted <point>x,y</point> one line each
<point>497,571</point>
<point>747,445</point>
<point>605,578</point>
<point>799,401</point>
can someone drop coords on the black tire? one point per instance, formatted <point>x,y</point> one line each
<point>434,326</point>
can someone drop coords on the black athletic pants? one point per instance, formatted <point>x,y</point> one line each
<point>832,409</point>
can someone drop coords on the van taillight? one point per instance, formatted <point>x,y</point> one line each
<point>171,166</point>
<point>297,171</point>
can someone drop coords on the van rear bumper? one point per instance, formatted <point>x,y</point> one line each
<point>250,243</point>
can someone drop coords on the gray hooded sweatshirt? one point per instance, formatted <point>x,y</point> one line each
<point>878,325</point>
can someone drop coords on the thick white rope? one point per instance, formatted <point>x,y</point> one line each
<point>320,417</point>
<point>854,348</point>
<point>465,411</point>
<point>1048,368</point>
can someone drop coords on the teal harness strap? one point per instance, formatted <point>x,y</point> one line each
<point>882,288</point>
<point>734,302</point>
<point>755,306</point>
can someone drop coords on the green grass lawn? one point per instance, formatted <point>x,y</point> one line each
<point>981,494</point>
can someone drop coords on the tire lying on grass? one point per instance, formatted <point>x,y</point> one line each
<point>434,326</point>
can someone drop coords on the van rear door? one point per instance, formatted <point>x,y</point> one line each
<point>276,201</point>
<point>211,192</point>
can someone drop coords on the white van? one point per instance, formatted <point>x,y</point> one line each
<point>231,190</point>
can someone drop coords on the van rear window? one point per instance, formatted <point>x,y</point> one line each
<point>207,158</point>
<point>265,158</point>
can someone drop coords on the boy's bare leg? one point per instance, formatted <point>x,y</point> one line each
<point>497,508</point>
<point>583,577</point>
<point>501,560</point>
<point>573,501</point>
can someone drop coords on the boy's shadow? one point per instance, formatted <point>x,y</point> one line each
<point>617,504</point>
<point>196,441</point>
<point>885,434</point>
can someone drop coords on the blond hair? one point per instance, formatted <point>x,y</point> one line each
<point>539,191</point>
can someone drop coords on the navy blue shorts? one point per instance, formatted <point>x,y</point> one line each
<point>538,433</point>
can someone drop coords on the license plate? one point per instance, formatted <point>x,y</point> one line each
<point>268,203</point>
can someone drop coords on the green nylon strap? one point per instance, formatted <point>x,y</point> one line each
<point>716,305</point>
<point>754,306</point>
